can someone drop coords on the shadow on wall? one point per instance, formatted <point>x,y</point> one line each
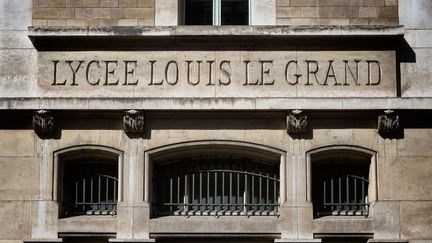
<point>404,54</point>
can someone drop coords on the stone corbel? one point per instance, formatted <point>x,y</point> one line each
<point>297,122</point>
<point>388,122</point>
<point>43,123</point>
<point>133,122</point>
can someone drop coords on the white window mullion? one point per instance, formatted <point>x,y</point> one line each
<point>217,5</point>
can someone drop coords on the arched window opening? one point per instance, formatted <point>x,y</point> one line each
<point>340,183</point>
<point>216,185</point>
<point>88,183</point>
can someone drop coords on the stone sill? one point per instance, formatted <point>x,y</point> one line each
<point>347,226</point>
<point>222,104</point>
<point>88,224</point>
<point>282,31</point>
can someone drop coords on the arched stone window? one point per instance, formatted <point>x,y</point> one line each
<point>342,180</point>
<point>87,180</point>
<point>215,180</point>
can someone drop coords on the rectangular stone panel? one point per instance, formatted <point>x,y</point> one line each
<point>416,220</point>
<point>233,74</point>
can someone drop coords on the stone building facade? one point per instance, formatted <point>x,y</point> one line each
<point>210,121</point>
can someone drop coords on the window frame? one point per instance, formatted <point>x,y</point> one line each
<point>216,13</point>
<point>372,190</point>
<point>83,151</point>
<point>156,154</point>
<point>236,197</point>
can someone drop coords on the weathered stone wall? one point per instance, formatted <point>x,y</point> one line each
<point>403,171</point>
<point>93,12</point>
<point>338,12</point>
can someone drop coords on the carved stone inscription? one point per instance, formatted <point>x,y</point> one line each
<point>232,74</point>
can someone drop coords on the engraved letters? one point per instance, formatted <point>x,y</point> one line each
<point>225,72</point>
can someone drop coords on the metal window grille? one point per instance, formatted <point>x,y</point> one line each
<point>340,189</point>
<point>215,186</point>
<point>90,188</point>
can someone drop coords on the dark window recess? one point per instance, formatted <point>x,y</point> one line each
<point>198,12</point>
<point>215,185</point>
<point>340,187</point>
<point>90,188</point>
<point>234,12</point>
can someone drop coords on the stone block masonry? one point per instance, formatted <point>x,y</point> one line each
<point>93,13</point>
<point>337,12</point>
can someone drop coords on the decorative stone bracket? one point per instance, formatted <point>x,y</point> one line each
<point>133,122</point>
<point>296,122</point>
<point>388,122</point>
<point>43,122</point>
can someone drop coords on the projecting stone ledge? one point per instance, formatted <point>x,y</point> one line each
<point>234,37</point>
<point>331,30</point>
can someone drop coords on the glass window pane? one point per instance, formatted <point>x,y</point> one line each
<point>198,12</point>
<point>234,12</point>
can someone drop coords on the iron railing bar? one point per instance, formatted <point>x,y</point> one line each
<point>246,172</point>
<point>171,191</point>
<point>325,192</point>
<point>340,188</point>
<point>208,188</point>
<point>358,177</point>
<point>115,191</point>
<point>268,190</point>
<point>363,192</point>
<point>245,197</point>
<point>108,176</point>
<point>106,190</point>
<point>331,193</point>
<point>355,189</point>
<point>253,188</point>
<point>91,189</point>
<point>193,187</point>
<point>346,204</point>
<point>76,192</point>
<point>186,192</point>
<point>178,189</point>
<point>223,187</point>
<point>347,189</point>
<point>260,190</point>
<point>99,192</point>
<point>230,188</point>
<point>217,204</point>
<point>83,193</point>
<point>275,199</point>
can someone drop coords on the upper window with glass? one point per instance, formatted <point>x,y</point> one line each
<point>215,12</point>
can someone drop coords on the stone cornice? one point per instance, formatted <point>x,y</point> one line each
<point>146,31</point>
<point>234,37</point>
